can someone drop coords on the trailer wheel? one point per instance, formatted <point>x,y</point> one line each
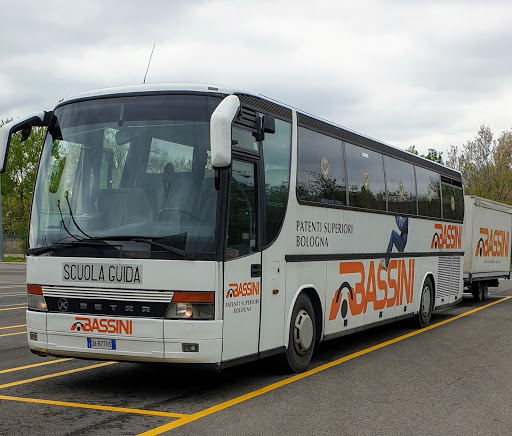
<point>485,291</point>
<point>301,339</point>
<point>422,319</point>
<point>477,291</point>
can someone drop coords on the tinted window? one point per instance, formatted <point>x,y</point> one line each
<point>453,203</point>
<point>321,176</point>
<point>401,186</point>
<point>276,156</point>
<point>429,196</point>
<point>365,174</point>
<point>244,139</point>
<point>129,166</point>
<point>242,210</point>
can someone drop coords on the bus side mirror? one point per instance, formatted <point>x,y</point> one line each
<point>266,124</point>
<point>38,119</point>
<point>221,131</point>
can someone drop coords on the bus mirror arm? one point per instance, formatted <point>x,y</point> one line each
<point>37,119</point>
<point>221,131</point>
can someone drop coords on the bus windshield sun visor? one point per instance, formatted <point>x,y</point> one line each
<point>101,242</point>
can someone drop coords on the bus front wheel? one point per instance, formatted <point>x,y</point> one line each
<point>422,319</point>
<point>301,339</point>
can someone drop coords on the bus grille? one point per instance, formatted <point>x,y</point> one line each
<point>109,294</point>
<point>448,277</point>
<point>111,302</point>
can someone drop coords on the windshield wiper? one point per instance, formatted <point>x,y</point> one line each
<point>170,248</point>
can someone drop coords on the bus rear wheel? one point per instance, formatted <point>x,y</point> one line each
<point>422,319</point>
<point>301,338</point>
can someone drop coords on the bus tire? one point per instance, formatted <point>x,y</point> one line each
<point>422,319</point>
<point>477,291</point>
<point>301,338</point>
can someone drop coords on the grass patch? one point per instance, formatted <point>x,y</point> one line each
<point>14,259</point>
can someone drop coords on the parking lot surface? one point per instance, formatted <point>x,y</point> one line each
<point>452,378</point>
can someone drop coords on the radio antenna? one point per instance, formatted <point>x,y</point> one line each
<point>149,63</point>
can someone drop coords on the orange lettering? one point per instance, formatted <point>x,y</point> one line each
<point>355,268</point>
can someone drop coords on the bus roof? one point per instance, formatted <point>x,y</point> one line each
<point>151,88</point>
<point>304,118</point>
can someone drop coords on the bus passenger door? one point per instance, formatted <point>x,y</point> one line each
<point>242,269</point>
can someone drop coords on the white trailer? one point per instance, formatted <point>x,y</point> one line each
<point>487,250</point>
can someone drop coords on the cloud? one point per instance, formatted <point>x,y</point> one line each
<point>406,72</point>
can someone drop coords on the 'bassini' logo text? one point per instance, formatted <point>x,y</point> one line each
<point>103,325</point>
<point>381,288</point>
<point>493,243</point>
<point>447,236</point>
<point>243,289</point>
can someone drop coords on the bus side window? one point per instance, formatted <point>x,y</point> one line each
<point>242,211</point>
<point>429,193</point>
<point>320,175</point>
<point>365,174</point>
<point>453,203</point>
<point>401,186</point>
<point>276,156</point>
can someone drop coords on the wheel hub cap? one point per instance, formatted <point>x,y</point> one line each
<point>303,332</point>
<point>425,301</point>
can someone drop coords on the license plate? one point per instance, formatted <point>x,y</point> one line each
<point>104,344</point>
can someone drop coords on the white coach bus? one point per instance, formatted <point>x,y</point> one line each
<point>202,225</point>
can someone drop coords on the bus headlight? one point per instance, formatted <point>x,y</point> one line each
<point>35,298</point>
<point>184,310</point>
<point>192,305</point>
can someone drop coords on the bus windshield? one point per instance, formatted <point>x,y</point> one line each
<point>127,177</point>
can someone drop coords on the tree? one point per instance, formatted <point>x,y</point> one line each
<point>18,182</point>
<point>485,164</point>
<point>432,154</point>
<point>452,158</point>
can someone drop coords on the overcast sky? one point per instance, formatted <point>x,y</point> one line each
<point>406,72</point>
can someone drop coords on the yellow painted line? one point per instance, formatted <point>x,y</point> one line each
<point>15,308</point>
<point>94,407</point>
<point>274,386</point>
<point>14,285</point>
<point>12,295</point>
<point>11,305</point>
<point>13,334</point>
<point>57,374</point>
<point>21,368</point>
<point>13,326</point>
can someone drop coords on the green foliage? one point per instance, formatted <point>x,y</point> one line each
<point>18,182</point>
<point>412,149</point>
<point>432,154</point>
<point>486,165</point>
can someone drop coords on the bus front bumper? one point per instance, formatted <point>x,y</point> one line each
<point>141,340</point>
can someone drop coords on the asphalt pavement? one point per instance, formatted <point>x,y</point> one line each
<point>453,378</point>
